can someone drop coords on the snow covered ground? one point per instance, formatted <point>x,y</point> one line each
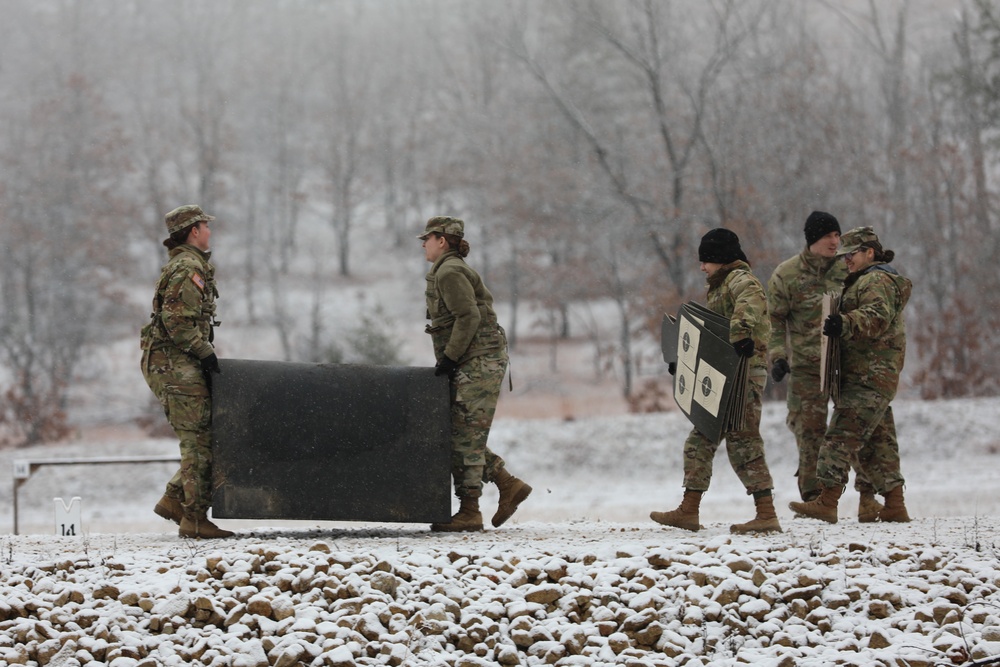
<point>580,576</point>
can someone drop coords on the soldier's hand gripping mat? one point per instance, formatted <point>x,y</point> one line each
<point>330,442</point>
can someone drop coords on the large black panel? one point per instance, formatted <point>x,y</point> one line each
<point>330,442</point>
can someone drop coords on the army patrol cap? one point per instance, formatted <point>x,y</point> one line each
<point>856,238</point>
<point>186,215</point>
<point>443,224</point>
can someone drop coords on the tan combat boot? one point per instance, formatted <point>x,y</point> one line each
<point>512,493</point>
<point>685,516</point>
<point>200,526</point>
<point>169,508</point>
<point>823,508</point>
<point>468,518</point>
<point>868,507</point>
<point>766,520</point>
<point>895,509</point>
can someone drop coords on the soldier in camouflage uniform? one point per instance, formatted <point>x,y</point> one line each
<point>872,338</point>
<point>471,349</point>
<point>177,362</point>
<point>734,292</point>
<point>795,303</point>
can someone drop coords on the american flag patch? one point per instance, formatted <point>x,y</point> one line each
<point>199,281</point>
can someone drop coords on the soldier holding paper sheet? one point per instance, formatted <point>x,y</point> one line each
<point>794,303</point>
<point>872,338</point>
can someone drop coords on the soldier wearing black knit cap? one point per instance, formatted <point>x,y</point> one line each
<point>736,294</point>
<point>794,300</point>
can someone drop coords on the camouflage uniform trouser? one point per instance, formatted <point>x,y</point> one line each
<point>191,418</point>
<point>866,434</point>
<point>745,449</point>
<point>807,413</point>
<point>475,389</point>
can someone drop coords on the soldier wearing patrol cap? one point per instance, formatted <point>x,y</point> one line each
<point>471,349</point>
<point>178,360</point>
<point>872,336</point>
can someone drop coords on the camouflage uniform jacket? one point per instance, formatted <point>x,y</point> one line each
<point>735,292</point>
<point>795,305</point>
<point>460,308</point>
<point>184,305</point>
<point>873,343</point>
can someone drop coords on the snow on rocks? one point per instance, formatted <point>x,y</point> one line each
<point>585,593</point>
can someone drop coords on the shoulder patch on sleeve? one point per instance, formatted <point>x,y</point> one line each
<point>199,281</point>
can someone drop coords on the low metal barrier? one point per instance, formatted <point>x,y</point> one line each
<point>25,468</point>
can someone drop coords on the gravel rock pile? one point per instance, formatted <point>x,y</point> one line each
<point>561,594</point>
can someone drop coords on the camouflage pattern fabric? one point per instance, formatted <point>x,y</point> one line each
<point>745,450</point>
<point>464,328</point>
<point>872,350</point>
<point>873,344</point>
<point>177,336</point>
<point>868,435</point>
<point>795,305</point>
<point>734,292</point>
<point>460,308</point>
<point>475,389</point>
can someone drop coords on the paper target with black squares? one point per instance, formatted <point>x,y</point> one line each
<point>707,366</point>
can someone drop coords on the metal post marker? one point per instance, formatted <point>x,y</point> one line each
<point>68,517</point>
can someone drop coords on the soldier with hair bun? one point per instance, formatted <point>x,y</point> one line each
<point>872,336</point>
<point>178,361</point>
<point>471,349</point>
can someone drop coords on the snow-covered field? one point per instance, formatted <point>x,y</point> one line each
<point>580,576</point>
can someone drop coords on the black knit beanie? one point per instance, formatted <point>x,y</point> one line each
<point>720,246</point>
<point>818,225</point>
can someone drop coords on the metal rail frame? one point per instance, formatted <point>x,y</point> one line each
<point>25,468</point>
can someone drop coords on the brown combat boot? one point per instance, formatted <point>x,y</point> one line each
<point>200,526</point>
<point>512,493</point>
<point>766,520</point>
<point>169,508</point>
<point>895,509</point>
<point>468,518</point>
<point>686,514</point>
<point>868,507</point>
<point>823,508</point>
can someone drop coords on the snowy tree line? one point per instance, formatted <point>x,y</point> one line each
<point>594,141</point>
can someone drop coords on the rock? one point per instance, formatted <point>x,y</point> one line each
<point>384,582</point>
<point>544,594</point>
<point>106,592</point>
<point>619,641</point>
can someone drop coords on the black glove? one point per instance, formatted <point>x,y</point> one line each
<point>672,368</point>
<point>779,370</point>
<point>445,367</point>
<point>833,326</point>
<point>744,347</point>
<point>210,364</point>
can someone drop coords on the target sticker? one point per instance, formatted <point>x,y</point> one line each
<point>710,382</point>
